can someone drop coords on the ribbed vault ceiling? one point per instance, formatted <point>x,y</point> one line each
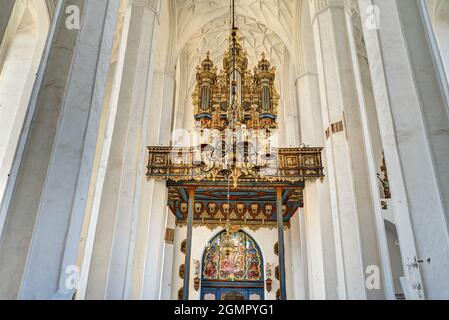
<point>204,25</point>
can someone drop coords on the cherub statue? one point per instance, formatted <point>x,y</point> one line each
<point>197,267</point>
<point>269,268</point>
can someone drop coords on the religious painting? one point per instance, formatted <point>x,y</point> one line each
<point>238,260</point>
<point>252,261</point>
<point>232,262</point>
<point>211,259</point>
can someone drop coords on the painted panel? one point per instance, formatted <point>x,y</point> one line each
<point>239,262</point>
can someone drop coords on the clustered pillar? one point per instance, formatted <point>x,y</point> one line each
<point>39,243</point>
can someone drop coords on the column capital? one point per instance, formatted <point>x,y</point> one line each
<point>319,6</point>
<point>352,8</point>
<point>51,216</point>
<point>303,75</point>
<point>153,5</point>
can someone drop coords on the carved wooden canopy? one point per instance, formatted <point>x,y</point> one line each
<point>235,170</point>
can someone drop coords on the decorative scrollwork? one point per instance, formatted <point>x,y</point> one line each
<point>182,271</point>
<point>291,165</point>
<point>183,246</point>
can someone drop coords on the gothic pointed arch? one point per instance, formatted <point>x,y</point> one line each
<point>241,261</point>
<point>232,266</point>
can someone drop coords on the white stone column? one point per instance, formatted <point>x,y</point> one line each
<point>296,259</point>
<point>304,291</point>
<point>150,235</point>
<point>179,259</point>
<point>438,11</point>
<point>347,171</point>
<point>110,274</point>
<point>104,142</point>
<point>20,57</point>
<point>413,118</point>
<point>288,117</point>
<point>168,260</point>
<point>371,132</point>
<point>317,236</point>
<point>317,213</point>
<point>46,210</point>
<point>316,228</point>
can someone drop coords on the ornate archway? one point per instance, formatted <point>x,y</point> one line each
<point>232,268</point>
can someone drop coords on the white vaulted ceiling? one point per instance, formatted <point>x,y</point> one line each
<point>204,25</point>
<point>266,26</point>
<point>193,14</point>
<point>256,38</point>
<point>214,38</point>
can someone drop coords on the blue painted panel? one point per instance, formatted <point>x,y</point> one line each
<point>219,292</point>
<point>233,284</point>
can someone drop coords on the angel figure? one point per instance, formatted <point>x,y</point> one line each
<point>197,267</point>
<point>269,268</point>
